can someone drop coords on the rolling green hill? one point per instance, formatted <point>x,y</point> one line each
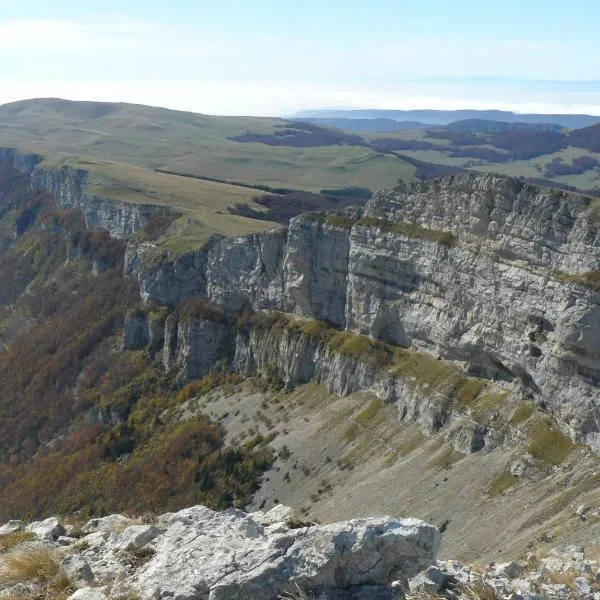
<point>139,153</point>
<point>196,144</point>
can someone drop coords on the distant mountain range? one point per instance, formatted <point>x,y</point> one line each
<point>443,117</point>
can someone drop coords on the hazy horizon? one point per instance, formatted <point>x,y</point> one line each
<point>268,59</point>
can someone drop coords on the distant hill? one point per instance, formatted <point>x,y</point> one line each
<point>258,151</point>
<point>484,126</point>
<point>362,125</point>
<point>445,117</point>
<point>588,138</point>
<point>307,154</point>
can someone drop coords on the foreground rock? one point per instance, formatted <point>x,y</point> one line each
<point>566,573</point>
<point>201,554</point>
<point>229,555</point>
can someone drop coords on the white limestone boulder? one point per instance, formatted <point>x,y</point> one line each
<point>12,527</point>
<point>228,555</point>
<point>48,530</point>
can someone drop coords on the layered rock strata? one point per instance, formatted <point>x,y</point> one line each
<point>497,275</point>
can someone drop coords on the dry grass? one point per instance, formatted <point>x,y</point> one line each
<point>566,578</point>
<point>35,563</point>
<point>11,540</point>
<point>476,590</point>
<point>299,593</point>
<point>479,590</point>
<point>29,562</point>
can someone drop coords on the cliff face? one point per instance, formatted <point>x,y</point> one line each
<point>483,270</point>
<point>71,190</point>
<point>497,275</point>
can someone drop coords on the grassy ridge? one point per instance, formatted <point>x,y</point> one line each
<point>192,143</point>
<point>204,205</point>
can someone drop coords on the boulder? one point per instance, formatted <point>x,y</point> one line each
<point>94,540</point>
<point>430,581</point>
<point>48,530</point>
<point>510,570</point>
<point>77,570</point>
<point>107,524</point>
<point>135,537</point>
<point>88,594</point>
<point>278,514</point>
<point>228,556</point>
<point>12,527</point>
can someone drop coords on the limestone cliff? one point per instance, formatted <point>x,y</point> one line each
<point>72,189</point>
<point>484,270</point>
<point>487,271</point>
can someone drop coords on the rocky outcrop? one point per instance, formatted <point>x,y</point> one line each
<point>484,270</point>
<point>73,189</point>
<point>564,573</point>
<point>496,275</point>
<point>197,345</point>
<point>201,554</point>
<point>198,553</point>
<point>20,161</point>
<point>292,351</point>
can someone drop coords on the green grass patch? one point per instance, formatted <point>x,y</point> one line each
<point>503,482</point>
<point>369,413</point>
<point>445,459</point>
<point>487,404</point>
<point>411,230</point>
<point>548,443</point>
<point>521,414</point>
<point>343,221</point>
<point>589,279</point>
<point>314,329</point>
<point>361,347</point>
<point>351,433</point>
<point>469,390</point>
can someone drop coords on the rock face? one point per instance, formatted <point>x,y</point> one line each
<point>229,556</point>
<point>200,554</point>
<point>72,188</point>
<point>497,275</point>
<point>197,345</point>
<point>484,270</point>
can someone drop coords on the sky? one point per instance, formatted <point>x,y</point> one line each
<point>276,57</point>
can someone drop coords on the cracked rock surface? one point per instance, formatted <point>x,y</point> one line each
<point>200,554</point>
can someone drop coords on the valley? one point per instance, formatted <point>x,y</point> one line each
<point>170,339</point>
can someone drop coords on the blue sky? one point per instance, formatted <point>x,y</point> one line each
<point>276,57</point>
